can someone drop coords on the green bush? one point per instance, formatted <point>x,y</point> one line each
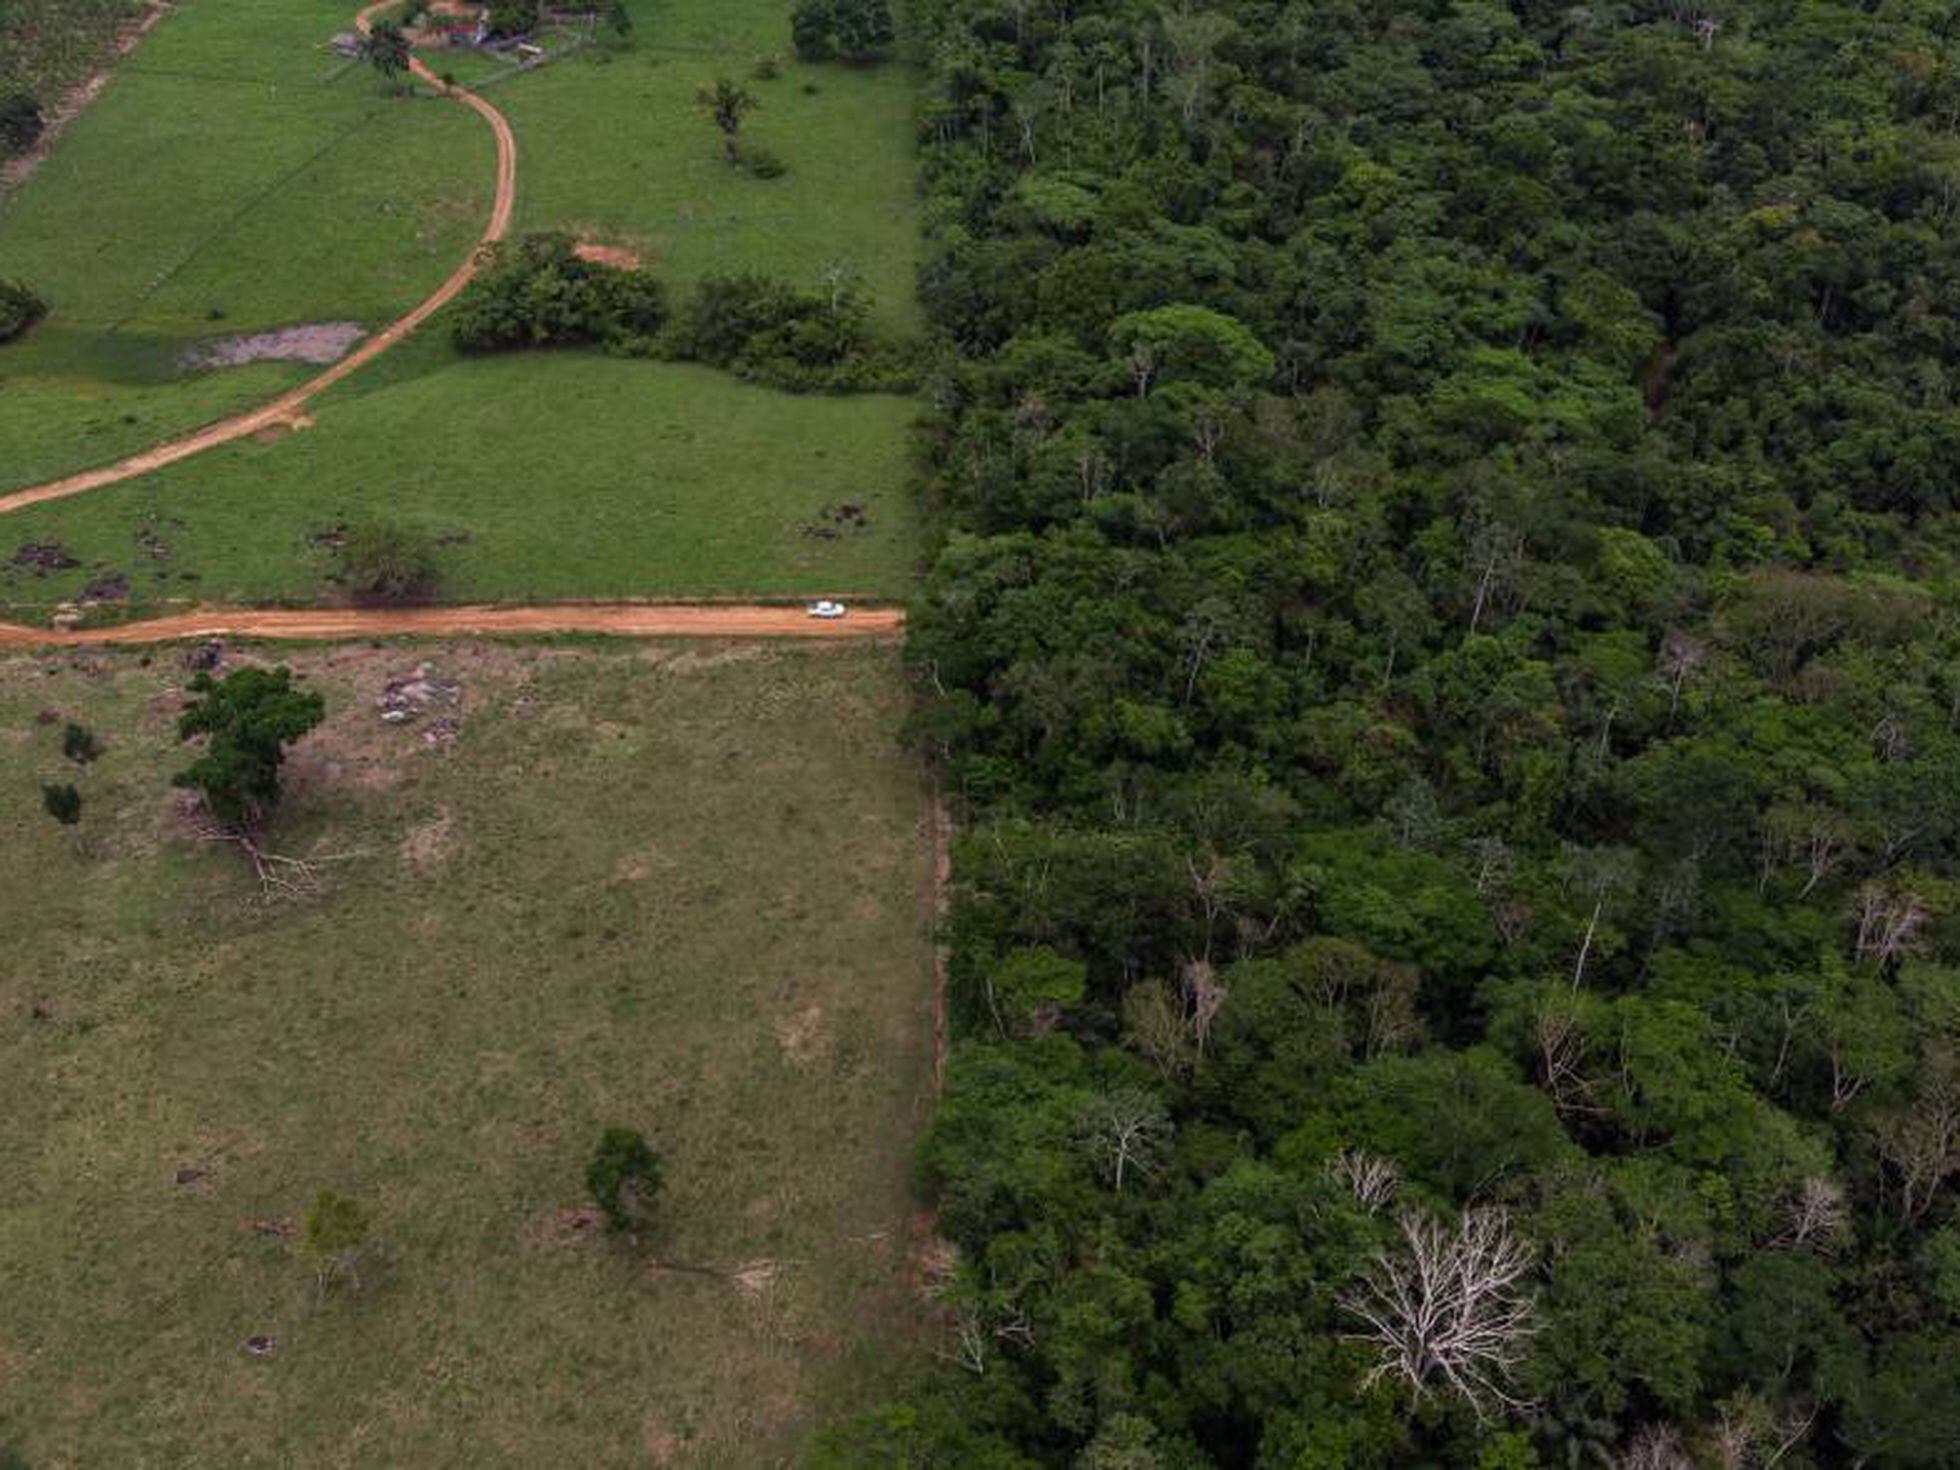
<point>513,17</point>
<point>623,1177</point>
<point>20,308</point>
<point>20,124</point>
<point>383,562</point>
<point>79,744</point>
<point>857,30</point>
<point>537,292</point>
<point>771,332</point>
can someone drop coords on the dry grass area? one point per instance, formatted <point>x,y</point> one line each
<point>679,888</point>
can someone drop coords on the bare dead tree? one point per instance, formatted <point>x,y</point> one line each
<point>1125,1132</point>
<point>1561,1055</point>
<point>1450,1310</point>
<point>1920,1145</point>
<point>1373,1181</point>
<point>1751,1434</point>
<point>1890,917</point>
<point>1812,1215</point>
<point>1204,998</point>
<point>1680,658</point>
<point>1654,1447</point>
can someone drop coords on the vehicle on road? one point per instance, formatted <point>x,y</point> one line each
<point>826,609</point>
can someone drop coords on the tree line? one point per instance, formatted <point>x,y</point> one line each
<point>1444,649</point>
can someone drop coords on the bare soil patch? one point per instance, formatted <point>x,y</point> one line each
<point>617,256</point>
<point>316,342</point>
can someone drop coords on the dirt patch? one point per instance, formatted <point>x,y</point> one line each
<point>427,847</point>
<point>109,587</point>
<point>617,256</point>
<point>278,429</point>
<point>44,556</point>
<point>802,1035</point>
<point>566,1226</point>
<point>663,1446</point>
<point>318,343</point>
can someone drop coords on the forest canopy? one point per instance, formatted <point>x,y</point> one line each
<point>1444,651</point>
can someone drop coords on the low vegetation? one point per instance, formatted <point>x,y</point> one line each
<point>587,889</point>
<point>538,292</point>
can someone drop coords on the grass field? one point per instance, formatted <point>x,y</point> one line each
<point>680,890</point>
<point>232,177</point>
<point>570,474</point>
<point>617,146</point>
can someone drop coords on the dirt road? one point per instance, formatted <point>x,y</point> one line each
<point>625,619</point>
<point>285,410</point>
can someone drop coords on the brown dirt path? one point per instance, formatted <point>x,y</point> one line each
<point>284,411</point>
<point>625,619</point>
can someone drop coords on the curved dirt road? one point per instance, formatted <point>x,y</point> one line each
<point>624,619</point>
<point>284,410</point>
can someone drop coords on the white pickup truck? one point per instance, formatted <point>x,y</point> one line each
<point>826,609</point>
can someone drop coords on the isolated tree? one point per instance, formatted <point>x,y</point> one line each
<point>727,104</point>
<point>1449,1309</point>
<point>63,803</point>
<point>21,124</point>
<point>624,1178</point>
<point>250,717</point>
<point>386,49</point>
<point>380,561</point>
<point>332,1234</point>
<point>79,744</point>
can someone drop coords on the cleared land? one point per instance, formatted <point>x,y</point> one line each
<point>569,474</point>
<point>675,888</point>
<point>232,177</point>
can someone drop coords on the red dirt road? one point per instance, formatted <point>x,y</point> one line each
<point>284,411</point>
<point>624,619</point>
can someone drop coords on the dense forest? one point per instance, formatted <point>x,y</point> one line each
<point>1444,653</point>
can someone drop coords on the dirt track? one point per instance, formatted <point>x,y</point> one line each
<point>285,409</point>
<point>625,619</point>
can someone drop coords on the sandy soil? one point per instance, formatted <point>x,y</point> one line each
<point>625,619</point>
<point>282,409</point>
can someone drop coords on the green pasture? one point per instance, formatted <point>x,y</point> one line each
<point>545,475</point>
<point>675,888</point>
<point>613,144</point>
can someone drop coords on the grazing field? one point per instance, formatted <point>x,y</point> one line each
<point>570,475</point>
<point>232,177</point>
<point>676,889</point>
<point>615,145</point>
<point>258,183</point>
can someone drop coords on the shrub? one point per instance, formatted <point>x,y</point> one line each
<point>79,744</point>
<point>336,1228</point>
<point>63,803</point>
<point>857,30</point>
<point>537,292</point>
<point>20,308</point>
<point>513,17</point>
<point>767,69</point>
<point>20,124</point>
<point>623,1177</point>
<point>760,162</point>
<point>383,562</point>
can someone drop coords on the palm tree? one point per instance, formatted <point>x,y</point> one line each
<point>727,103</point>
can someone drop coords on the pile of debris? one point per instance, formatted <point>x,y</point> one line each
<point>834,520</point>
<point>413,695</point>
